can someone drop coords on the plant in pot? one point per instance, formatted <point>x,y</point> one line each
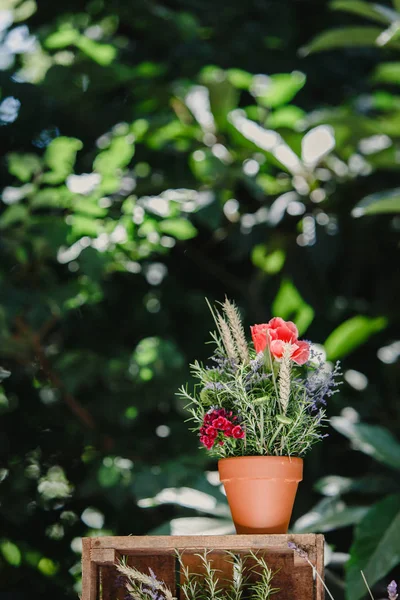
<point>259,407</point>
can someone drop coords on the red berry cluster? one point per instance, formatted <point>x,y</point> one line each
<point>217,421</point>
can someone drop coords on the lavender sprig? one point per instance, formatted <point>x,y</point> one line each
<point>392,590</point>
<point>303,554</point>
<point>321,384</point>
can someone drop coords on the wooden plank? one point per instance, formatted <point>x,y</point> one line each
<point>89,572</point>
<point>110,589</point>
<point>105,556</point>
<point>138,544</point>
<point>319,564</point>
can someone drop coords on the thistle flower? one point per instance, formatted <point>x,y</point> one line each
<point>392,590</point>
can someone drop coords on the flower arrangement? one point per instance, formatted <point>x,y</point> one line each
<point>259,399</point>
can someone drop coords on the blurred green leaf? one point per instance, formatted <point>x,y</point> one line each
<point>205,166</point>
<point>60,157</point>
<point>388,72</point>
<point>346,37</point>
<point>223,95</point>
<point>286,116</point>
<point>12,215</point>
<point>289,305</point>
<point>117,155</point>
<point>239,78</point>
<point>272,185</point>
<point>376,549</point>
<point>351,334</point>
<point>4,374</point>
<point>376,12</point>
<point>329,514</point>
<point>47,566</point>
<point>23,166</point>
<point>82,225</point>
<point>61,39</point>
<point>374,440</point>
<point>387,201</point>
<point>25,10</point>
<point>11,553</point>
<point>182,229</point>
<point>269,261</point>
<point>335,485</point>
<point>279,89</point>
<point>103,54</point>
<point>56,197</point>
<point>174,130</point>
<point>195,526</point>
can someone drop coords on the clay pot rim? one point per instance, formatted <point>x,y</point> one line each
<point>272,458</point>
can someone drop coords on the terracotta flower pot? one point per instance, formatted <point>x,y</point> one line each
<point>261,491</point>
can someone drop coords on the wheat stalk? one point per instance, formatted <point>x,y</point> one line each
<point>284,378</point>
<point>134,576</point>
<point>227,338</point>
<point>236,327</point>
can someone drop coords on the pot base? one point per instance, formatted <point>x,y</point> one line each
<point>242,529</point>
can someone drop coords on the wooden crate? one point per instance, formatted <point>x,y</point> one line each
<point>294,576</point>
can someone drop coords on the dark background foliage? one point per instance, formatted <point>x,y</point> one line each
<point>102,289</point>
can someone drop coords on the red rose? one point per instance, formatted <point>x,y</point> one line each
<point>300,350</point>
<point>259,336</point>
<point>220,423</point>
<point>237,432</point>
<point>275,334</point>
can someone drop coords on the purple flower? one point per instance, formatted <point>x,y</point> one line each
<point>257,363</point>
<point>298,550</point>
<point>392,590</point>
<point>214,385</point>
<point>120,581</point>
<point>320,385</point>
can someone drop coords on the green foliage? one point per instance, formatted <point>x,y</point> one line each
<point>350,334</point>
<point>376,546</point>
<point>345,37</point>
<point>372,440</point>
<point>289,305</point>
<point>139,179</point>
<point>380,203</point>
<point>209,586</point>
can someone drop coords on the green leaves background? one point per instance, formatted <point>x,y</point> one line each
<point>161,155</point>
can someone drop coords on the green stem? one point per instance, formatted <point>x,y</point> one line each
<point>320,578</point>
<point>272,367</point>
<point>367,586</point>
<point>275,434</point>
